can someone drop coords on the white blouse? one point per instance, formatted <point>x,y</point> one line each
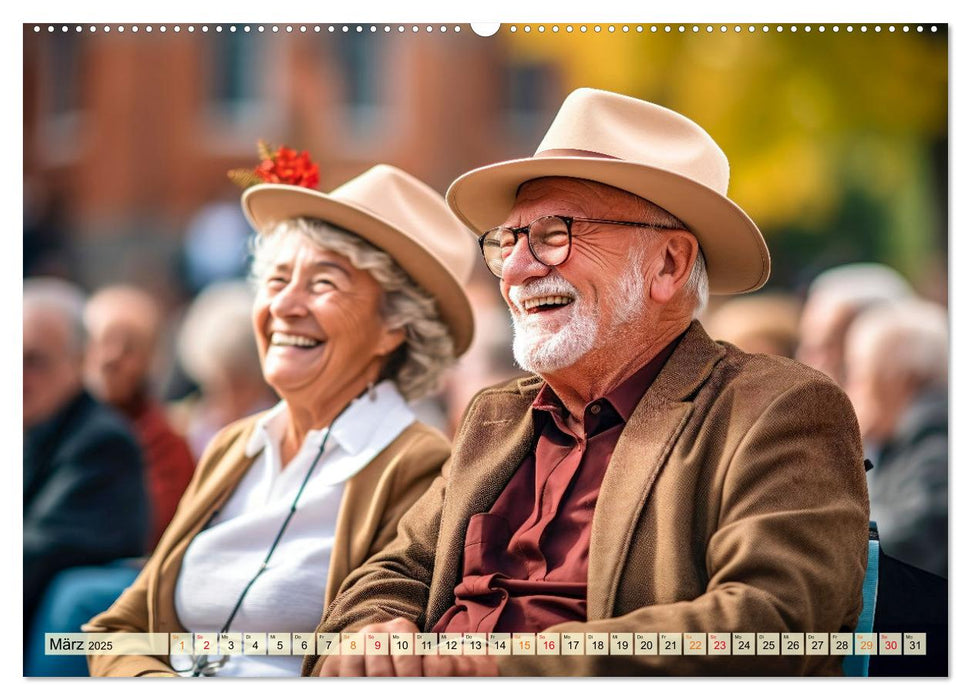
<point>289,595</point>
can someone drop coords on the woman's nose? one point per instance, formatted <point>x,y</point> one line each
<point>290,301</point>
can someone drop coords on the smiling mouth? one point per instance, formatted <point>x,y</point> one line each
<point>547,303</point>
<point>294,341</point>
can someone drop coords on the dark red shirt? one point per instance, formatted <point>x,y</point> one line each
<point>169,463</point>
<point>525,561</point>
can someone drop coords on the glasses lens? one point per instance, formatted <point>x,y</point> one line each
<point>497,244</point>
<point>549,238</point>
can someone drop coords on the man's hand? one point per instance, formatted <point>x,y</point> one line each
<point>459,666</point>
<point>364,665</point>
<point>392,665</point>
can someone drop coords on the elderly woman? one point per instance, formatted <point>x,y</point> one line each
<point>358,310</point>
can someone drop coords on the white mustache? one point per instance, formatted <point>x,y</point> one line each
<point>551,284</point>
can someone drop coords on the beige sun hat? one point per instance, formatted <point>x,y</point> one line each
<point>397,213</point>
<point>645,149</point>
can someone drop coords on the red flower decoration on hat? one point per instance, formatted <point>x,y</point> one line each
<point>283,166</point>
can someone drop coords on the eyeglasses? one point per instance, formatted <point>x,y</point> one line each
<point>550,239</point>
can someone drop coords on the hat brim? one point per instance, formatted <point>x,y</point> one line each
<point>736,256</point>
<point>264,205</point>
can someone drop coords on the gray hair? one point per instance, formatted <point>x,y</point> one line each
<point>417,365</point>
<point>696,286</point>
<point>858,286</point>
<point>65,299</point>
<point>216,334</point>
<point>916,334</point>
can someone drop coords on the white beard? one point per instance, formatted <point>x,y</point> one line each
<point>537,349</point>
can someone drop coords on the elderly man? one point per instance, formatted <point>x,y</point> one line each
<point>123,325</point>
<point>647,479</point>
<point>84,500</point>
<point>836,297</point>
<point>896,371</point>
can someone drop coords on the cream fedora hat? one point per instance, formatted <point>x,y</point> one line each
<point>397,213</point>
<point>644,149</point>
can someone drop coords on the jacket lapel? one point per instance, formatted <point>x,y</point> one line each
<point>497,437</point>
<point>356,522</point>
<point>641,453</point>
<point>230,466</point>
<point>225,477</point>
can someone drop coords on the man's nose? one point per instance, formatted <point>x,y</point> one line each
<point>113,351</point>
<point>521,265</point>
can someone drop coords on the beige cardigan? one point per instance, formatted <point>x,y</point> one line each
<point>373,501</point>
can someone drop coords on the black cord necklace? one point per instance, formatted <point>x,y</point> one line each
<point>202,665</point>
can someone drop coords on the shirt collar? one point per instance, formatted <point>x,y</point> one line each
<point>624,397</point>
<point>354,430</point>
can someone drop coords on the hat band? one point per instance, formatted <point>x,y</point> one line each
<point>572,153</point>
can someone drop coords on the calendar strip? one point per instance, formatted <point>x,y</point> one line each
<point>493,644</point>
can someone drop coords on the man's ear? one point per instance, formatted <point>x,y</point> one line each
<point>678,252</point>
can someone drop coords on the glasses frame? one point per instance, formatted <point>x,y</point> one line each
<point>568,221</point>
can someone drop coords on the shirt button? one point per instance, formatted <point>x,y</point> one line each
<point>595,409</point>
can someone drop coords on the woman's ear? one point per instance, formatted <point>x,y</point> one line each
<point>678,252</point>
<point>391,339</point>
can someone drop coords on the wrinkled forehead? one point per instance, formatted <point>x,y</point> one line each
<point>130,315</point>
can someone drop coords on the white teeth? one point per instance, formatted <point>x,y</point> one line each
<point>547,300</point>
<point>298,340</point>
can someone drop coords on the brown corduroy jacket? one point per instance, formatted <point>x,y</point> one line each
<point>735,501</point>
<point>374,499</point>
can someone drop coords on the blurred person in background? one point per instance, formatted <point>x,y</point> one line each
<point>123,325</point>
<point>834,299</point>
<point>84,495</point>
<point>896,376</point>
<point>359,309</point>
<point>762,323</point>
<point>216,349</point>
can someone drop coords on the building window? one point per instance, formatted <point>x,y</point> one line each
<point>240,109</point>
<point>530,91</point>
<point>60,99</point>
<point>360,61</point>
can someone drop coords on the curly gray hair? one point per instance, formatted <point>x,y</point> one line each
<point>417,365</point>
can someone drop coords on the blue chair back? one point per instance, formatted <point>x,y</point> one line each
<point>859,665</point>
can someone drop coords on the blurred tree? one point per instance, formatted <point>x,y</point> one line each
<point>834,136</point>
